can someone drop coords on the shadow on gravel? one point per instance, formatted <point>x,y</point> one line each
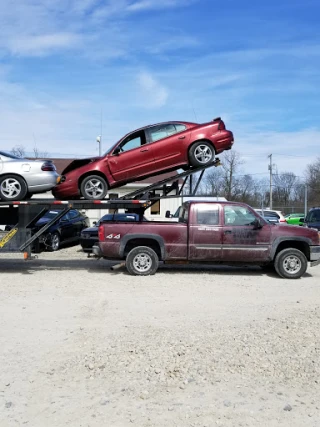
<point>34,265</point>
<point>94,265</point>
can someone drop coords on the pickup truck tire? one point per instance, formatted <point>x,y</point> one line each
<point>94,187</point>
<point>142,261</point>
<point>201,153</point>
<point>290,263</point>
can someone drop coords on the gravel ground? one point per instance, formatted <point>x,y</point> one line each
<point>82,345</point>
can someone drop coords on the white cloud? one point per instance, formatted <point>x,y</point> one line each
<point>156,4</point>
<point>154,93</point>
<point>43,44</point>
<point>291,151</point>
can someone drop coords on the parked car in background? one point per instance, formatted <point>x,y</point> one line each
<point>145,152</point>
<point>66,230</point>
<point>272,215</point>
<point>295,218</point>
<point>20,178</point>
<point>312,220</point>
<point>89,236</point>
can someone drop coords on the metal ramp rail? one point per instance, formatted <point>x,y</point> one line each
<point>148,192</point>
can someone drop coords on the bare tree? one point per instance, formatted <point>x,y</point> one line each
<point>38,154</point>
<point>18,150</point>
<point>283,188</point>
<point>214,182</point>
<point>313,182</point>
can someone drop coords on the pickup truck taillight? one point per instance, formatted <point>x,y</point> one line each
<point>100,233</point>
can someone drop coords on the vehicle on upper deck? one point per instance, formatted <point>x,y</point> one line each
<point>20,178</point>
<point>145,152</point>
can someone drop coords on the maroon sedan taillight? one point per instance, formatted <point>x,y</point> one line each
<point>100,233</point>
<point>48,167</point>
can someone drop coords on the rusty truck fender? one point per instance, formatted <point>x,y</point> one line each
<point>141,236</point>
<point>278,240</point>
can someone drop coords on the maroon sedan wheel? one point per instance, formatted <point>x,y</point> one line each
<point>94,187</point>
<point>201,153</point>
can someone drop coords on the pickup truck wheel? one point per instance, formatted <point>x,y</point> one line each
<point>142,261</point>
<point>291,263</point>
<point>94,187</point>
<point>201,153</point>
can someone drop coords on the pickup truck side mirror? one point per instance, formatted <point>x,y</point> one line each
<point>168,214</point>
<point>257,224</point>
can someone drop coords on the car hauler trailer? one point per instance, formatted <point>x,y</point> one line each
<point>21,217</point>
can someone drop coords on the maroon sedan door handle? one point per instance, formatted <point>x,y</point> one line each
<point>146,149</point>
<point>181,137</point>
<point>228,232</point>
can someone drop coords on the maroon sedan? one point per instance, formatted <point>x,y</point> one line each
<point>145,152</point>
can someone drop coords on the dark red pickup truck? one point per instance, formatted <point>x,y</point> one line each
<point>210,232</point>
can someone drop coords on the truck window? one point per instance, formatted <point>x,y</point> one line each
<point>208,215</point>
<point>238,215</point>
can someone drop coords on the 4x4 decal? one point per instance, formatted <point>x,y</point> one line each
<point>113,236</point>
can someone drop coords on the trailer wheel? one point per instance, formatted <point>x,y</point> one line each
<point>12,188</point>
<point>94,187</point>
<point>291,263</point>
<point>201,153</point>
<point>55,242</point>
<point>142,261</point>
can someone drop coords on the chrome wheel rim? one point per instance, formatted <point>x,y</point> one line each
<point>94,188</point>
<point>203,154</point>
<point>292,264</point>
<point>142,262</point>
<point>55,241</point>
<point>10,188</point>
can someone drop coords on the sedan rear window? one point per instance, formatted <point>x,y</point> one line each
<point>163,131</point>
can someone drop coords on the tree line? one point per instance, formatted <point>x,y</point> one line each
<point>288,190</point>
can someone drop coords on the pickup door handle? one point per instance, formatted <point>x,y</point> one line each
<point>228,232</point>
<point>181,137</point>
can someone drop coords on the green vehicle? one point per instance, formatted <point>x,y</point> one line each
<point>295,218</point>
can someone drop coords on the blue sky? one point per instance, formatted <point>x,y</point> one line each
<point>65,64</point>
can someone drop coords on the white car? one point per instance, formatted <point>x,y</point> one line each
<point>278,215</point>
<point>20,177</point>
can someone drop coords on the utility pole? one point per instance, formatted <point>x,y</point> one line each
<point>305,200</point>
<point>270,169</point>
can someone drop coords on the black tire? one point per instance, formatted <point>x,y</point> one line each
<point>142,261</point>
<point>201,153</point>
<point>290,263</point>
<point>12,188</point>
<point>55,242</point>
<point>94,187</point>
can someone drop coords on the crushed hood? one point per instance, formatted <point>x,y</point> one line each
<point>75,164</point>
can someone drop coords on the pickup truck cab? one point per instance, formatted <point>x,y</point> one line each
<point>210,232</point>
